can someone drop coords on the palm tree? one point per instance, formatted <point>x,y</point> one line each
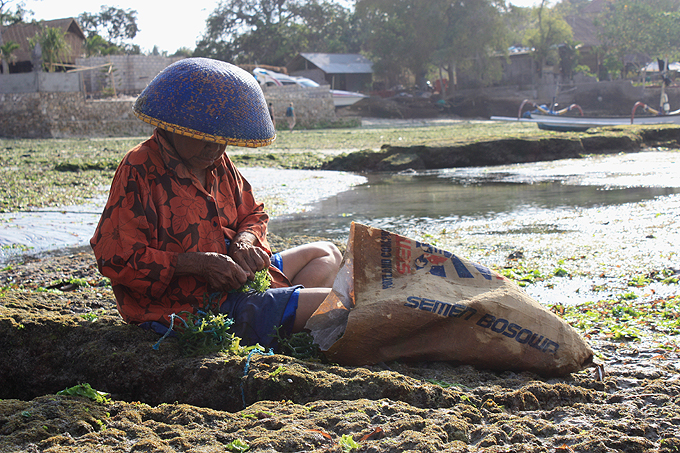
<point>55,49</point>
<point>6,56</point>
<point>96,45</point>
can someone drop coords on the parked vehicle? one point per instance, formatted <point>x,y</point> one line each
<point>270,78</point>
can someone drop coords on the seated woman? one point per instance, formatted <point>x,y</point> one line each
<point>182,230</point>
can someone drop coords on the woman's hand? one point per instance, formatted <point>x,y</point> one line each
<point>246,254</point>
<point>220,271</point>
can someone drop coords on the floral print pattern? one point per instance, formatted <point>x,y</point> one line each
<point>157,209</point>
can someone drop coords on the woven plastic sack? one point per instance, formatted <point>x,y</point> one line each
<point>397,298</point>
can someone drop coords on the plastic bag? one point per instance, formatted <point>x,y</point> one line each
<point>397,298</point>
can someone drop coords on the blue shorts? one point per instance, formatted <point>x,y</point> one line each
<point>256,315</point>
<point>276,261</point>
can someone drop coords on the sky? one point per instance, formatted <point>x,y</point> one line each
<point>169,27</point>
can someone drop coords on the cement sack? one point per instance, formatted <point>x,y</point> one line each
<point>397,298</point>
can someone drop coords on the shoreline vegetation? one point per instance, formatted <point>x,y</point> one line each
<point>59,330</point>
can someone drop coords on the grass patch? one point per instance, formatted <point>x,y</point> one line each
<point>55,172</point>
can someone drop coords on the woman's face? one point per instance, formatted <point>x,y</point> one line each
<point>197,154</point>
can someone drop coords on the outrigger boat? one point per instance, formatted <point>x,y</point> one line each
<point>555,122</point>
<point>547,118</point>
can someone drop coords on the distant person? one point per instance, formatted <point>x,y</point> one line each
<point>270,107</point>
<point>182,230</point>
<point>290,117</point>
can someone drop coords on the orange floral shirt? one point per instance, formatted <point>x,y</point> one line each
<point>156,210</point>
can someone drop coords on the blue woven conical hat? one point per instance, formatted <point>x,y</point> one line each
<point>209,100</point>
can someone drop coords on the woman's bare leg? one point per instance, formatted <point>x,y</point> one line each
<point>309,300</point>
<point>312,265</point>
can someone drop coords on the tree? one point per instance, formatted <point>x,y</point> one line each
<point>273,31</point>
<point>183,52</point>
<point>418,36</point>
<point>55,50</point>
<point>665,34</point>
<point>401,35</point>
<point>328,27</point>
<point>9,17</point>
<point>243,29</point>
<point>475,36</point>
<point>649,29</point>
<point>95,45</point>
<point>568,8</point>
<point>550,31</point>
<point>108,31</point>
<point>517,21</point>
<point>6,51</point>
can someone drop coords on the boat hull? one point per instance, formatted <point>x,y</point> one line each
<point>569,123</point>
<point>345,98</point>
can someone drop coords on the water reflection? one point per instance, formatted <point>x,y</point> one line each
<point>514,203</point>
<point>603,219</point>
<point>404,201</point>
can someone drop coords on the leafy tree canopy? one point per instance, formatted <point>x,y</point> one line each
<point>550,30</point>
<point>7,18</point>
<point>475,36</point>
<point>110,31</point>
<point>10,17</point>
<point>416,35</point>
<point>7,51</point>
<point>400,35</point>
<point>183,52</point>
<point>646,28</point>
<point>273,31</point>
<point>517,21</point>
<point>96,45</point>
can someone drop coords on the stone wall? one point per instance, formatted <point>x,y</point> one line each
<point>130,73</point>
<point>67,115</point>
<point>71,115</point>
<point>313,106</point>
<point>33,82</point>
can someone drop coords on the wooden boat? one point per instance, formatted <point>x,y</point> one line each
<point>548,118</point>
<point>582,123</point>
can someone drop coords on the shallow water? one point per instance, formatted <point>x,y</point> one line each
<point>600,217</point>
<point>58,231</point>
<point>416,199</point>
